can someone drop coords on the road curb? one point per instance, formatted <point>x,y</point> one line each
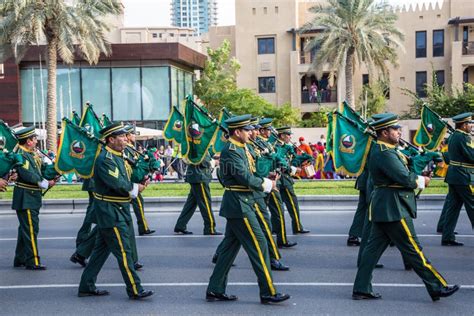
<point>175,204</point>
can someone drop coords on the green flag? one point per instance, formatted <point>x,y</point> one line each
<point>75,118</point>
<point>174,126</point>
<point>431,131</point>
<point>350,147</point>
<point>346,110</point>
<point>90,121</point>
<point>220,137</point>
<point>8,161</point>
<point>7,137</point>
<point>105,121</point>
<point>77,151</point>
<point>199,129</point>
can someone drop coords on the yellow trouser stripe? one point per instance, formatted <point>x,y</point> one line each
<point>422,256</point>
<point>282,219</point>
<point>142,213</point>
<point>125,263</point>
<point>294,210</point>
<point>32,237</point>
<point>260,255</point>
<point>211,219</point>
<point>370,212</point>
<point>269,233</point>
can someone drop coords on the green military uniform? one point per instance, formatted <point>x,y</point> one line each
<point>286,185</point>
<point>83,233</point>
<point>238,207</point>
<point>198,176</point>
<point>448,199</point>
<point>27,200</point>
<point>261,207</point>
<point>392,202</point>
<point>112,195</point>
<point>275,204</point>
<point>137,203</point>
<point>355,231</point>
<point>273,199</point>
<point>86,235</point>
<point>460,178</point>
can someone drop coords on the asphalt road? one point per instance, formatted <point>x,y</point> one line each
<point>178,269</point>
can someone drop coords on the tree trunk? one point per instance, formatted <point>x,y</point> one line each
<point>51,121</point>
<point>349,72</point>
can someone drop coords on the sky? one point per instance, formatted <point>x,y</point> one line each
<point>157,12</point>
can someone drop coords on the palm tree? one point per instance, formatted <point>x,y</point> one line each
<point>354,32</point>
<point>66,27</point>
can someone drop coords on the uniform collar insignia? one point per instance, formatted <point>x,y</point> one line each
<point>110,150</point>
<point>26,149</point>
<point>386,144</point>
<point>236,142</point>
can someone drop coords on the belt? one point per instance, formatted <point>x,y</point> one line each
<point>28,186</point>
<point>238,188</point>
<point>108,198</point>
<point>394,186</point>
<point>461,164</point>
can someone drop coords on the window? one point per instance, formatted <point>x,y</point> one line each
<point>2,72</point>
<point>276,10</point>
<point>438,43</point>
<point>421,78</point>
<point>440,78</point>
<point>420,44</point>
<point>365,79</point>
<point>264,10</point>
<point>33,100</point>
<point>155,87</point>
<point>154,35</point>
<point>96,88</point>
<point>254,11</point>
<point>126,94</point>
<point>266,85</point>
<point>266,45</point>
<point>465,75</point>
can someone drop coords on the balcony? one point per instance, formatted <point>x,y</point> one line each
<point>468,48</point>
<point>321,96</point>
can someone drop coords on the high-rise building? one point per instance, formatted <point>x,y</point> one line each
<point>196,14</point>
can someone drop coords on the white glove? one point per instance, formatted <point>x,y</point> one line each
<point>293,170</point>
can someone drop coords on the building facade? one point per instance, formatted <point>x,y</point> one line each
<point>271,48</point>
<point>196,14</point>
<point>150,70</point>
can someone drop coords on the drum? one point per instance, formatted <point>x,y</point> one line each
<point>309,171</point>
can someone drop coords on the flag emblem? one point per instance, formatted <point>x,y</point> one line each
<point>77,149</point>
<point>430,128</point>
<point>178,126</point>
<point>194,130</point>
<point>348,143</point>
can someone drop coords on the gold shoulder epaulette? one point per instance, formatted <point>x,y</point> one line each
<point>383,147</point>
<point>232,146</point>
<point>109,155</point>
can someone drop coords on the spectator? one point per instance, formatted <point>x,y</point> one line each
<point>168,156</point>
<point>314,92</point>
<point>176,163</point>
<point>322,140</point>
<point>304,147</point>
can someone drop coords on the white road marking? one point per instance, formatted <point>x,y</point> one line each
<point>198,284</point>
<point>221,236</point>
